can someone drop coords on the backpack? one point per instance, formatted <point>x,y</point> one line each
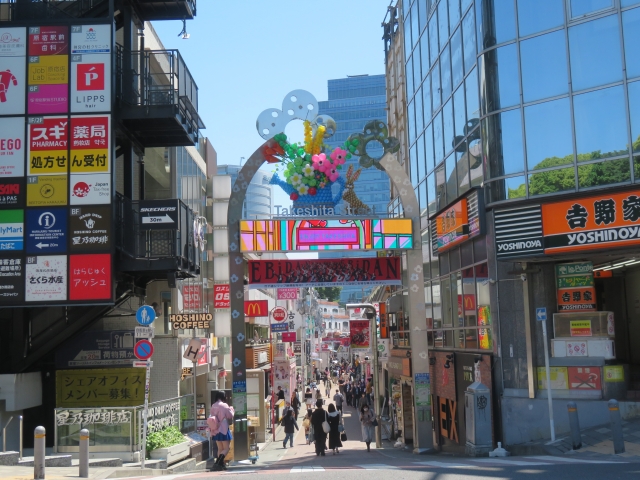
<point>213,423</point>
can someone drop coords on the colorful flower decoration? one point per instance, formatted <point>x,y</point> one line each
<point>339,156</point>
<point>296,179</point>
<point>303,189</point>
<point>308,170</point>
<point>320,162</point>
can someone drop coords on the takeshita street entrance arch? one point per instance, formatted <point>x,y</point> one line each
<point>313,192</point>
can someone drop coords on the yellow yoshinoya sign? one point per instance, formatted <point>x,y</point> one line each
<point>100,387</point>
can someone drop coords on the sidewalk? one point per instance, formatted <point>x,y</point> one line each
<point>596,441</point>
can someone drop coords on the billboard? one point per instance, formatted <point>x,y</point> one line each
<point>323,273</point>
<point>360,334</point>
<point>331,234</point>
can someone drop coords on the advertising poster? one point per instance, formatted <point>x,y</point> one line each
<point>48,141</point>
<point>90,83</point>
<point>360,334</point>
<point>90,144</point>
<point>90,189</point>
<point>13,42</point>
<point>221,296</point>
<point>46,230</point>
<point>90,277</point>
<point>576,288</point>
<point>45,190</point>
<point>97,348</point>
<point>11,147</point>
<point>11,280</point>
<point>46,278</point>
<point>324,273</point>
<point>12,192</point>
<point>90,229</point>
<point>13,81</point>
<point>11,230</point>
<point>95,387</point>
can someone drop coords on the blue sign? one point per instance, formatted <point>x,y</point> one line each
<point>280,327</point>
<point>97,348</point>
<point>145,315</point>
<point>240,386</point>
<point>541,314</point>
<point>46,230</point>
<point>143,349</point>
<point>11,230</point>
<point>422,378</point>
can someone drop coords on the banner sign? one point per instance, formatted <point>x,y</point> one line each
<point>46,230</point>
<point>221,296</point>
<point>46,278</point>
<point>325,272</point>
<point>256,308</point>
<point>360,334</point>
<point>48,70</point>
<point>332,234</point>
<point>95,387</point>
<point>576,290</point>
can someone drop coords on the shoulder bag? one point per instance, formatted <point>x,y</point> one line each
<point>325,425</point>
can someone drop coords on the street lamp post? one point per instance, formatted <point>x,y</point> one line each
<point>371,314</point>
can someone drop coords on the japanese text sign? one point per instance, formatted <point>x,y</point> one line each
<point>452,225</point>
<point>580,328</point>
<point>90,144</point>
<point>11,280</point>
<point>221,296</point>
<point>191,297</point>
<point>593,222</point>
<point>90,229</point>
<point>49,40</point>
<point>48,143</point>
<point>90,277</point>
<point>46,278</point>
<point>576,290</point>
<point>113,387</point>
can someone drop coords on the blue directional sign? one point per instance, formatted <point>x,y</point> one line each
<point>46,230</point>
<point>280,327</point>
<point>541,314</point>
<point>145,315</point>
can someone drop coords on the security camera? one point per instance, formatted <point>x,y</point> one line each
<point>523,277</point>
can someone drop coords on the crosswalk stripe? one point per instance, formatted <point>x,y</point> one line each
<point>573,460</point>
<point>307,469</point>
<point>443,464</point>
<point>516,463</point>
<point>377,466</point>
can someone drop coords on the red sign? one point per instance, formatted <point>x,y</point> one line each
<point>203,357</point>
<point>90,277</point>
<point>360,333</point>
<point>89,133</point>
<point>191,297</point>
<point>90,76</point>
<point>287,293</point>
<point>289,337</point>
<point>325,273</point>
<point>452,225</point>
<point>221,296</point>
<point>49,41</point>
<point>279,314</point>
<point>584,378</point>
<point>143,349</point>
<point>256,308</point>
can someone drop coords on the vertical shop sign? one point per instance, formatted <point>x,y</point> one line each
<point>576,290</point>
<point>90,229</point>
<point>11,145</point>
<point>11,280</point>
<point>90,144</point>
<point>48,70</point>
<point>221,296</point>
<point>46,278</point>
<point>48,144</point>
<point>191,297</point>
<point>90,277</point>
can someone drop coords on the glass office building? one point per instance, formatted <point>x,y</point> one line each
<point>258,203</point>
<point>353,102</point>
<point>532,108</point>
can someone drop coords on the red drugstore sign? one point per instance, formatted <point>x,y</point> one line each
<point>221,296</point>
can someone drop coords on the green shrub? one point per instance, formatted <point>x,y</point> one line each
<point>164,438</point>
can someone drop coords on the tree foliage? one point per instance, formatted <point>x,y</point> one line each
<point>331,294</point>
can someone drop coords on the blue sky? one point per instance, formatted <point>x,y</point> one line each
<point>247,55</point>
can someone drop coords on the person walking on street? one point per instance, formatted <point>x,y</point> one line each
<point>368,430</point>
<point>308,398</point>
<point>289,423</point>
<point>318,396</point>
<point>306,423</point>
<point>317,418</point>
<point>363,400</point>
<point>280,393</point>
<point>287,408</point>
<point>339,399</point>
<point>219,417</point>
<point>335,418</point>
<point>327,391</point>
<point>295,403</point>
<point>349,393</point>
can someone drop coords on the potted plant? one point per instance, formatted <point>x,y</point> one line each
<point>167,444</point>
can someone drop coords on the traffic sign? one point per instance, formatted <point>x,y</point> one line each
<point>279,314</point>
<point>142,364</point>
<point>279,327</point>
<point>145,315</point>
<point>143,349</point>
<point>145,332</point>
<point>541,314</point>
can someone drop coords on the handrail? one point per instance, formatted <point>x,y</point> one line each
<point>4,434</point>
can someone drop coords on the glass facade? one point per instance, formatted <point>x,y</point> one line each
<point>523,98</point>
<point>258,203</point>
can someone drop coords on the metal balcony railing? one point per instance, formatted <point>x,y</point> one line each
<point>159,82</point>
<point>154,245</point>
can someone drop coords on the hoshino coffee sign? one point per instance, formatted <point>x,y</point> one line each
<point>188,321</point>
<point>589,223</point>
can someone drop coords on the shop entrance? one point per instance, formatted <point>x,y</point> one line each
<point>618,291</point>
